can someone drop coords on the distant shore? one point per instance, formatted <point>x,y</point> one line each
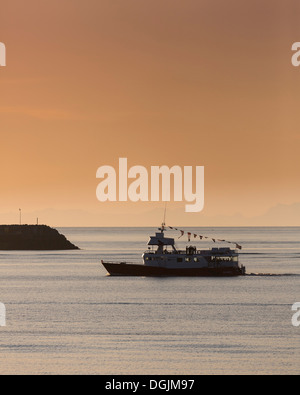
<point>32,237</point>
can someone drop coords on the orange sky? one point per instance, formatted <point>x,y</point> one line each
<point>193,82</point>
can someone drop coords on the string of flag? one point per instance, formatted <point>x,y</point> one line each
<point>190,234</point>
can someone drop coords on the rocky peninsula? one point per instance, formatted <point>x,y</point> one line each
<point>32,237</point>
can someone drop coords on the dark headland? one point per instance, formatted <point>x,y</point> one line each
<point>32,237</point>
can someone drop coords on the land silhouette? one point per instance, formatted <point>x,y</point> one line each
<point>32,237</point>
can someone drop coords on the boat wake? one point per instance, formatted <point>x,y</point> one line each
<point>273,274</point>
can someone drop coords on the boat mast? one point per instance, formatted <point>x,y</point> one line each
<point>164,221</point>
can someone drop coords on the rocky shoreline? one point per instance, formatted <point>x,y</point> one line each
<point>32,237</point>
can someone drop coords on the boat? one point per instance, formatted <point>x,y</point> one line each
<point>162,259</point>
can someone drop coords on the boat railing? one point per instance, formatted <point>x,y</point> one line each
<point>229,253</point>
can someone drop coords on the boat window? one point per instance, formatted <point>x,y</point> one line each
<point>196,259</point>
<point>179,259</point>
<point>187,259</point>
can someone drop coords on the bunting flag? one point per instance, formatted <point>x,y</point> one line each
<point>189,234</point>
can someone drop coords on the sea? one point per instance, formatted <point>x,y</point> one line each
<point>66,316</point>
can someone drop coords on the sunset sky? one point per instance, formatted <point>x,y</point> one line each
<point>160,82</point>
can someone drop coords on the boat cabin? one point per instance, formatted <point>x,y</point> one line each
<point>162,243</point>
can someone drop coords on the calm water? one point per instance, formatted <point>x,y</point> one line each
<point>66,316</point>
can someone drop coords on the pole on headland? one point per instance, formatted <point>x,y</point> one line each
<point>20,210</point>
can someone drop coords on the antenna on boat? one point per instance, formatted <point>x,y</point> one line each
<point>164,221</point>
